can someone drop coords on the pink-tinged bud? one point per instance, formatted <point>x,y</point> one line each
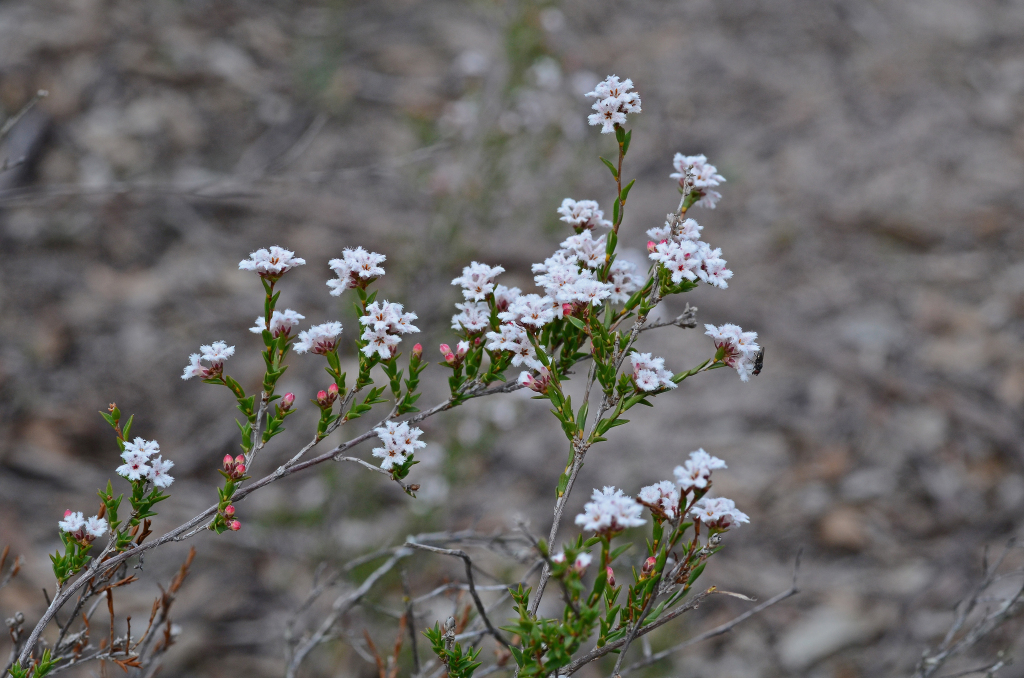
<point>235,525</point>
<point>332,391</point>
<point>239,470</point>
<point>240,459</point>
<point>287,401</point>
<point>651,246</point>
<point>450,358</point>
<point>321,398</point>
<point>611,575</point>
<point>445,350</point>
<point>462,348</point>
<point>478,341</point>
<point>229,510</point>
<point>228,462</point>
<point>67,513</point>
<point>649,566</point>
<point>566,309</point>
<point>417,350</point>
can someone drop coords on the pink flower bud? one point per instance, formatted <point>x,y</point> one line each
<point>67,513</point>
<point>649,566</point>
<point>450,358</point>
<point>445,350</point>
<point>235,525</point>
<point>651,246</point>
<point>287,401</point>
<point>229,510</point>
<point>611,575</point>
<point>228,462</point>
<point>462,348</point>
<point>417,350</point>
<point>321,398</point>
<point>240,459</point>
<point>332,391</point>
<point>566,309</point>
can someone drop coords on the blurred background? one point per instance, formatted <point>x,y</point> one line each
<point>874,151</point>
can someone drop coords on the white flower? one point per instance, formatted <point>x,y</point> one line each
<point>623,281</point>
<point>529,309</point>
<point>588,251</point>
<point>558,557</point>
<point>681,259</point>
<point>474,317</point>
<point>583,214</point>
<point>582,560</point>
<point>663,496</point>
<point>503,296</point>
<point>400,441</point>
<point>718,512</point>
<point>740,347</point>
<point>272,263</point>
<point>134,466</point>
<point>514,339</point>
<point>158,472</point>
<point>320,339</point>
<point>73,521</point>
<point>477,280</point>
<point>389,317</point>
<point>615,100</point>
<point>380,342</point>
<point>695,473</point>
<point>560,259</point>
<point>558,279</point>
<point>688,230</point>
<point>610,511</point>
<point>650,373</point>
<point>144,448</point>
<point>701,176</point>
<point>280,322</point>
<point>714,272</point>
<point>355,266</point>
<point>590,291</point>
<point>194,367</point>
<point>96,526</point>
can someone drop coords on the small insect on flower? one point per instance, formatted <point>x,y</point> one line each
<point>758,361</point>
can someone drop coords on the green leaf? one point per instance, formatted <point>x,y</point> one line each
<point>615,212</point>
<point>619,551</point>
<point>696,573</point>
<point>576,322</point>
<point>625,191</point>
<point>625,142</point>
<point>610,166</point>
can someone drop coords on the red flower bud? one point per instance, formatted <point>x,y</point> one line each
<point>228,462</point>
<point>286,401</point>
<point>240,459</point>
<point>651,246</point>
<point>229,510</point>
<point>649,566</point>
<point>235,525</point>
<point>321,398</point>
<point>332,391</point>
<point>611,575</point>
<point>239,470</point>
<point>566,309</point>
<point>67,512</point>
<point>417,350</point>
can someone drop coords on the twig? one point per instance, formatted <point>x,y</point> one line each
<point>686,320</point>
<point>13,120</point>
<point>472,587</point>
<point>723,628</point>
<point>411,617</point>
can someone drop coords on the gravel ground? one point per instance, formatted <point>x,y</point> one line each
<point>874,152</point>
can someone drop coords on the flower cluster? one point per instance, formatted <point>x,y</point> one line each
<point>537,383</point>
<point>384,322</point>
<point>610,510</point>
<point>215,354</point>
<point>80,528</point>
<point>662,498</point>
<point>614,101</point>
<point>685,256</point>
<point>271,263</point>
<point>320,339</point>
<point>400,442</point>
<point>695,473</point>
<point>280,323</point>
<point>515,340</point>
<point>738,348</point>
<point>356,268</point>
<point>565,282</point>
<point>649,374</point>
<point>718,513</point>
<point>473,316</point>
<point>694,172</point>
<point>137,454</point>
<point>477,280</point>
<point>583,215</point>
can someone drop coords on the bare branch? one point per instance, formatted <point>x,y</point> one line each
<point>13,120</point>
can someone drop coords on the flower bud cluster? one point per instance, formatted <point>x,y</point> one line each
<point>736,348</point>
<point>614,101</point>
<point>139,463</point>
<point>325,399</point>
<point>384,324</point>
<point>454,358</point>
<point>215,354</point>
<point>270,264</point>
<point>234,467</point>
<point>356,268</point>
<point>537,383</point>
